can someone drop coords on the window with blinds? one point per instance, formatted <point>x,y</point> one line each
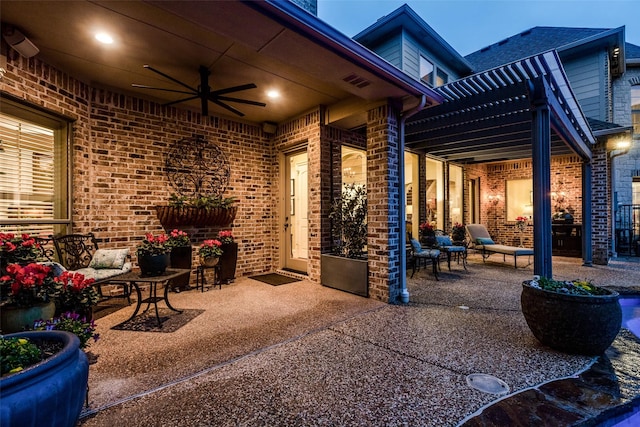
<point>31,181</point>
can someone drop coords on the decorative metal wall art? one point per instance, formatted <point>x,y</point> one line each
<point>197,168</point>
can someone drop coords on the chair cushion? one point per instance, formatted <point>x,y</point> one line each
<point>103,273</point>
<point>109,259</point>
<point>417,248</point>
<point>454,248</point>
<point>484,241</point>
<point>444,241</point>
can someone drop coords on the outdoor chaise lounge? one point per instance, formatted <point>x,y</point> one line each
<point>481,239</point>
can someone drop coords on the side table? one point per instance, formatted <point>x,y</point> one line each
<point>134,277</point>
<point>200,277</point>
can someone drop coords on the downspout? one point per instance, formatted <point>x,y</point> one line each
<point>404,293</point>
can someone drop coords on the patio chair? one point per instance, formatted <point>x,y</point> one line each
<point>420,255</point>
<point>79,253</point>
<point>482,242</point>
<point>446,245</point>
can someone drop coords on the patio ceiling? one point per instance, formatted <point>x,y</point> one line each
<point>487,117</point>
<point>275,45</point>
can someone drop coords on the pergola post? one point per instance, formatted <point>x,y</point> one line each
<point>587,248</point>
<point>541,155</point>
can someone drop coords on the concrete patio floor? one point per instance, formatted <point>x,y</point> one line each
<point>303,354</point>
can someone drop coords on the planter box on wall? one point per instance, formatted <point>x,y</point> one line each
<point>345,274</point>
<point>173,216</point>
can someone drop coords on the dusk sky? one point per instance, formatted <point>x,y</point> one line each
<point>469,25</point>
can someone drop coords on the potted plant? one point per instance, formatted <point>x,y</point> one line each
<point>43,369</point>
<point>14,249</point>
<point>571,316</point>
<point>153,254</point>
<point>229,257</point>
<point>428,234</point>
<point>80,326</point>
<point>198,211</point>
<point>181,257</point>
<point>458,233</point>
<point>76,294</point>
<point>30,291</point>
<point>210,252</point>
<point>346,267</point>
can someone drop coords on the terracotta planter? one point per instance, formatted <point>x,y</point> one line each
<point>573,324</point>
<point>153,265</point>
<point>209,261</point>
<point>181,257</point>
<point>16,319</point>
<point>172,216</point>
<point>228,262</point>
<point>50,393</point>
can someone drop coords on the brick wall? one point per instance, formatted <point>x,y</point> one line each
<point>118,143</point>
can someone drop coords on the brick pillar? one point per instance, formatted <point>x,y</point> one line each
<point>383,184</point>
<point>601,205</point>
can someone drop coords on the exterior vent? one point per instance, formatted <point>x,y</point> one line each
<point>357,81</point>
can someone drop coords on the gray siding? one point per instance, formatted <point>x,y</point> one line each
<point>588,78</point>
<point>412,49</point>
<point>390,50</point>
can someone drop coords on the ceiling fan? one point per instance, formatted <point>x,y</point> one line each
<point>204,92</point>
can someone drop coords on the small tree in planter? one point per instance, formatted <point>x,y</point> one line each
<point>346,268</point>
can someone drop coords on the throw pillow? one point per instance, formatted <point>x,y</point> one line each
<point>484,241</point>
<point>109,258</point>
<point>417,248</point>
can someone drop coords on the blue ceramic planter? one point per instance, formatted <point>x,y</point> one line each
<point>50,393</point>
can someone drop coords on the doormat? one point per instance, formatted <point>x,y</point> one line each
<point>274,279</point>
<point>146,322</point>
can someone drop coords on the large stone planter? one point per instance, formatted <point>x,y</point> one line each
<point>573,324</point>
<point>345,274</point>
<point>50,393</point>
<point>16,319</point>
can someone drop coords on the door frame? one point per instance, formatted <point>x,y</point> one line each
<point>282,196</point>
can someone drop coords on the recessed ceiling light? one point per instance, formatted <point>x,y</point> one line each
<point>273,94</point>
<point>104,38</point>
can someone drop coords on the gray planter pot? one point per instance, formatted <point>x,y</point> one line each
<point>573,324</point>
<point>345,274</point>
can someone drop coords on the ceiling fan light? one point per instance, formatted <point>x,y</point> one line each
<point>273,94</point>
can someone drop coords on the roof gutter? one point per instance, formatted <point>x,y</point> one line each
<point>404,293</point>
<point>296,19</point>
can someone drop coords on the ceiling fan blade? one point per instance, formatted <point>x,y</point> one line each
<point>166,76</point>
<point>241,101</point>
<point>228,107</point>
<point>160,88</point>
<point>181,100</point>
<point>233,89</point>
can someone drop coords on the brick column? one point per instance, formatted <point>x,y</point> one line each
<point>601,204</point>
<point>383,184</point>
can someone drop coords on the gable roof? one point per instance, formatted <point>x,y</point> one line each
<point>541,39</point>
<point>405,18</point>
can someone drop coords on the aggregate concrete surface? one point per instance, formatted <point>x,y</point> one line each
<point>302,354</point>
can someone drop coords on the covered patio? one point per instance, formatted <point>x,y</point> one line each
<point>520,112</point>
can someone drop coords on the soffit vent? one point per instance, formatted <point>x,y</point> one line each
<point>357,81</point>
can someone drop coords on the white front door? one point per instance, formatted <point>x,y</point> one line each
<point>296,207</point>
